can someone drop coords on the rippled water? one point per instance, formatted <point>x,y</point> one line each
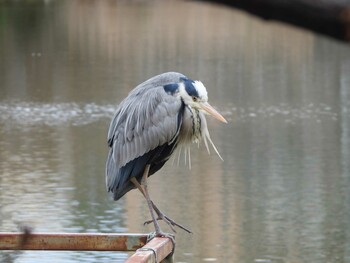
<point>54,114</point>
<point>29,113</point>
<point>280,195</point>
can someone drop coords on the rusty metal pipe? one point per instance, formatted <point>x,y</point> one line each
<point>72,241</point>
<point>159,249</point>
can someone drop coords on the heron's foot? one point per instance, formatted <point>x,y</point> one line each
<point>171,223</point>
<point>160,234</point>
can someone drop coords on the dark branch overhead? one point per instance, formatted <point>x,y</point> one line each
<point>327,17</point>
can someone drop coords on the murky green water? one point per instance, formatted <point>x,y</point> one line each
<point>282,193</point>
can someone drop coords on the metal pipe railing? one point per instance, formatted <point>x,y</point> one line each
<point>158,249</point>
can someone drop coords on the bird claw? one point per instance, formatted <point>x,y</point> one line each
<point>149,222</point>
<point>171,223</point>
<point>160,234</point>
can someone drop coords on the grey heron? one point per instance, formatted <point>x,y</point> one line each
<point>158,115</point>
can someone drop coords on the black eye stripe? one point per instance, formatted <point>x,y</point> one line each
<point>190,88</point>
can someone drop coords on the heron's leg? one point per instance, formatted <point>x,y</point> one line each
<point>161,216</point>
<point>167,220</point>
<point>144,190</point>
<point>138,185</point>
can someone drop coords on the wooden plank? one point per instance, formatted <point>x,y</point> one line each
<point>159,249</point>
<point>71,241</point>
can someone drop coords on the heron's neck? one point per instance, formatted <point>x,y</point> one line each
<point>196,125</point>
<point>191,130</point>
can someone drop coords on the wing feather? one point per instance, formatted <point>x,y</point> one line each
<point>145,120</point>
<point>145,133</point>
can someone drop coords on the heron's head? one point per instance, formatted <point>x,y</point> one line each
<point>195,95</point>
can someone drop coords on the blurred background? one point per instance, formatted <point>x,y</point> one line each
<point>280,195</point>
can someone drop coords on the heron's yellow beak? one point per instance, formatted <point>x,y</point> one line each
<point>211,111</point>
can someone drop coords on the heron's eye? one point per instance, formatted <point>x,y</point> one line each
<point>194,98</point>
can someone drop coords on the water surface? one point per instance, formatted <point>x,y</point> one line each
<point>280,195</point>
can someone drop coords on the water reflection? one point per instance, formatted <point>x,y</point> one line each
<point>282,193</point>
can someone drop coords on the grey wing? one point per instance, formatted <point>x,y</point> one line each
<point>143,122</point>
<point>152,83</point>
